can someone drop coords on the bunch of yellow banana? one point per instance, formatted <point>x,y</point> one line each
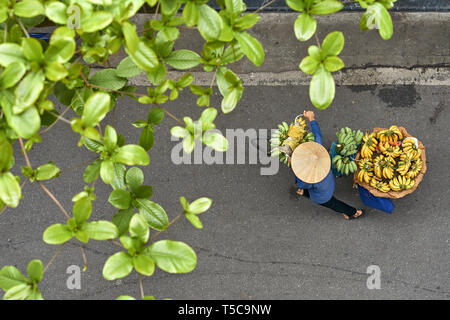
<point>366,170</point>
<point>415,168</point>
<point>401,183</point>
<point>389,150</point>
<point>378,165</point>
<point>410,148</point>
<point>369,145</point>
<point>392,134</point>
<point>301,121</point>
<point>388,167</point>
<point>379,185</point>
<point>403,167</point>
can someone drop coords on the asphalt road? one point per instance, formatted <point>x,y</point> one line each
<point>259,241</point>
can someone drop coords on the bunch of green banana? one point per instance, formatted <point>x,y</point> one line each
<point>348,141</point>
<point>308,137</point>
<point>344,165</point>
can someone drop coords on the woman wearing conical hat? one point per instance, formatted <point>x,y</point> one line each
<point>311,165</point>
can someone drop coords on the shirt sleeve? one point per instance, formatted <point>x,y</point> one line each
<point>301,184</point>
<point>316,131</point>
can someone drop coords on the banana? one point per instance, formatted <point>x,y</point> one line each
<point>414,169</point>
<point>378,164</point>
<point>336,158</point>
<point>379,185</point>
<point>389,150</point>
<point>301,121</point>
<point>401,183</point>
<point>403,167</point>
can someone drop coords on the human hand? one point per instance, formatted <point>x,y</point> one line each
<point>308,115</point>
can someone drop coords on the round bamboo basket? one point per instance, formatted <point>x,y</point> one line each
<point>394,194</point>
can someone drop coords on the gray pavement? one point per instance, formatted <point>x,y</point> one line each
<point>259,241</point>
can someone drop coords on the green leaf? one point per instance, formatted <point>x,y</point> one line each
<point>10,277</point>
<point>55,71</point>
<point>172,256</point>
<point>168,7</point>
<point>215,140</point>
<point>158,74</point>
<point>127,68</point>
<point>92,171</point>
<point>139,228</point>
<point>101,230</point>
<point>305,27</point>
<point>315,52</point>
<point>131,37</point>
<point>194,220</point>
<point>35,270</point>
<point>57,234</point>
<point>250,47</point>
<point>28,91</point>
<point>144,57</point>
<point>19,292</point>
<point>143,192</point>
<point>119,171</point>
<point>108,78</point>
<point>110,138</point>
<point>35,295</point>
<point>199,206</point>
<point>47,172</point>
<point>11,52</point>
<point>190,14</point>
<point>156,115</point>
<point>132,155</point>
<point>326,7</point>
<point>383,20</point>
<point>144,265</point>
<point>97,21</point>
<point>10,192</point>
<point>125,298</point>
<point>210,23</point>
<point>122,220</point>
<point>6,154</point>
<point>96,108</point>
<point>12,74</point>
<point>25,124</point>
<point>56,11</point>
<point>134,178</point>
<point>333,43</point>
<point>309,65</point>
<point>153,213</point>
<point>28,8</point>
<point>82,210</point>
<point>61,50</point>
<point>246,21</point>
<point>322,89</point>
<point>208,116</point>
<point>107,171</point>
<point>82,236</point>
<point>333,64</point>
<point>231,99</point>
<point>183,59</point>
<point>179,132</point>
<point>120,199</point>
<point>297,5</point>
<point>147,138</point>
<point>119,265</point>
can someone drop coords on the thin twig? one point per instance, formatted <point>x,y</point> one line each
<point>54,257</point>
<point>114,242</point>
<point>27,160</point>
<point>265,6</point>
<point>170,223</point>
<point>141,286</point>
<point>156,11</point>
<point>22,27</point>
<point>57,119</point>
<point>317,39</point>
<point>84,257</point>
<point>213,79</point>
<point>173,117</point>
<point>54,199</point>
<point>60,117</point>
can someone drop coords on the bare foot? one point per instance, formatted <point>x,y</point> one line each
<point>300,192</point>
<point>356,215</point>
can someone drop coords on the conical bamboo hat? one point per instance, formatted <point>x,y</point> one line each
<point>310,162</point>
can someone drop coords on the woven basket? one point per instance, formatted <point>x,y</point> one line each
<point>394,194</point>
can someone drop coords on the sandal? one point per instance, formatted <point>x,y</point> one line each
<point>355,216</point>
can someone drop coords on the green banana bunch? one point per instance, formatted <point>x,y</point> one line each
<point>348,141</point>
<point>344,165</point>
